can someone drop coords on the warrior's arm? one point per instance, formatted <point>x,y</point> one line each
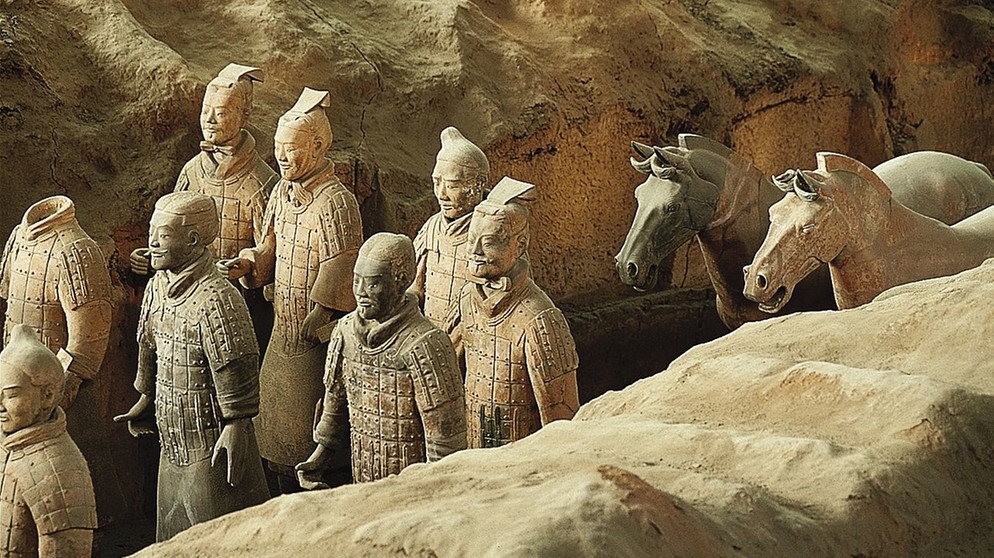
<point>438,392</point>
<point>262,258</point>
<point>5,264</point>
<point>421,255</point>
<point>84,293</point>
<point>453,327</point>
<point>89,332</point>
<point>552,363</point>
<point>70,542</point>
<point>341,226</point>
<point>332,408</point>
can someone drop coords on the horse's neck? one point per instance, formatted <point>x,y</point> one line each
<point>909,247</point>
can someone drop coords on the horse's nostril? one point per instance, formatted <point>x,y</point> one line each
<point>632,269</point>
<point>761,280</point>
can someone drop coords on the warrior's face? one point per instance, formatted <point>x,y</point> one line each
<point>298,151</point>
<point>222,116</point>
<point>171,245</point>
<point>378,294</point>
<point>21,404</point>
<point>457,188</point>
<point>493,251</point>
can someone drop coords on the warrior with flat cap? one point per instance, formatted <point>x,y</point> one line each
<point>45,491</point>
<point>198,373</point>
<point>394,371</point>
<point>311,235</point>
<point>516,345</point>
<point>460,177</point>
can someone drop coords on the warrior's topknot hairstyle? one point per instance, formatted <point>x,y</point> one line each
<point>394,249</point>
<point>196,210</point>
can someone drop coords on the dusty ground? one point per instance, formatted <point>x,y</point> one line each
<point>99,100</point>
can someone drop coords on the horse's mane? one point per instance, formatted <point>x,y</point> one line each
<point>694,141</point>
<point>832,162</point>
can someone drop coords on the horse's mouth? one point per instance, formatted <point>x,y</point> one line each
<point>775,302</point>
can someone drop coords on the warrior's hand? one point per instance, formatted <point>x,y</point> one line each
<point>235,268</point>
<point>309,472</point>
<point>139,418</point>
<point>315,320</point>
<point>235,442</point>
<point>70,391</point>
<point>140,262</point>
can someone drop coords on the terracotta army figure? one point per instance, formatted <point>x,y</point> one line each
<point>395,369</point>
<point>460,177</point>
<point>519,354</point>
<point>311,236</point>
<point>46,499</point>
<point>55,279</point>
<point>229,169</point>
<point>198,361</point>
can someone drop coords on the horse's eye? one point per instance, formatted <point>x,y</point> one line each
<point>807,228</point>
<point>671,208</point>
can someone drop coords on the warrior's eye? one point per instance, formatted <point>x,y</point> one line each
<point>671,208</point>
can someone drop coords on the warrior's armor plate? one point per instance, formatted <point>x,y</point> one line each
<point>44,487</point>
<point>240,186</point>
<point>404,394</point>
<point>440,247</point>
<point>51,269</point>
<point>520,361</point>
<point>310,241</point>
<point>188,342</point>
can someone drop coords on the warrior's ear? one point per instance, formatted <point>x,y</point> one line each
<point>642,149</point>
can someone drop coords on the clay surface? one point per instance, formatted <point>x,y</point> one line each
<point>864,432</point>
<point>843,213</point>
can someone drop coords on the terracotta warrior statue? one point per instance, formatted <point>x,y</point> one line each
<point>228,168</point>
<point>460,176</point>
<point>518,352</point>
<point>55,279</point>
<point>396,371</point>
<point>46,499</point>
<point>311,235</point>
<point>198,361</point>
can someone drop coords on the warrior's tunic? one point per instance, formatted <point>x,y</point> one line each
<point>240,186</point>
<point>44,489</point>
<point>198,358</point>
<point>312,233</point>
<point>55,279</point>
<point>404,394</point>
<point>520,359</point>
<point>440,247</point>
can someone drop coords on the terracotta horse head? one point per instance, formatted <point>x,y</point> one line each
<point>837,209</point>
<point>675,202</point>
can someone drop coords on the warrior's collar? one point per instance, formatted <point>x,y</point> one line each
<point>179,282</point>
<point>300,193</point>
<point>53,427</point>
<point>47,215</point>
<point>223,161</point>
<point>373,334</point>
<point>494,296</point>
<point>456,227</point>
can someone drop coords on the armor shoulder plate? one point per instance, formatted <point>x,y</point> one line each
<point>434,370</point>
<point>8,255</point>
<point>266,177</point>
<point>341,222</point>
<point>551,350</point>
<point>183,178</point>
<point>85,270</point>
<point>227,327</point>
<point>425,237</point>
<point>60,493</point>
<point>334,358</point>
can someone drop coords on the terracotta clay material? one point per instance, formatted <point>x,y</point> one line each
<point>702,188</point>
<point>396,371</point>
<point>198,373</point>
<point>55,279</point>
<point>311,234</point>
<point>46,496</point>
<point>460,176</point>
<point>228,168</point>
<point>516,346</point>
<point>843,213</point>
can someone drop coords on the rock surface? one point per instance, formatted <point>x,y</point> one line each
<point>865,432</point>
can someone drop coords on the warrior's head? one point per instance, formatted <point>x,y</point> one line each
<point>498,235</point>
<point>31,381</point>
<point>182,226</point>
<point>460,175</point>
<point>227,103</point>
<point>303,135</point>
<point>384,270</point>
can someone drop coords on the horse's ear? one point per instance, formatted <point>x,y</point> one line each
<point>672,157</point>
<point>832,162</point>
<point>642,149</point>
<point>684,139</point>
